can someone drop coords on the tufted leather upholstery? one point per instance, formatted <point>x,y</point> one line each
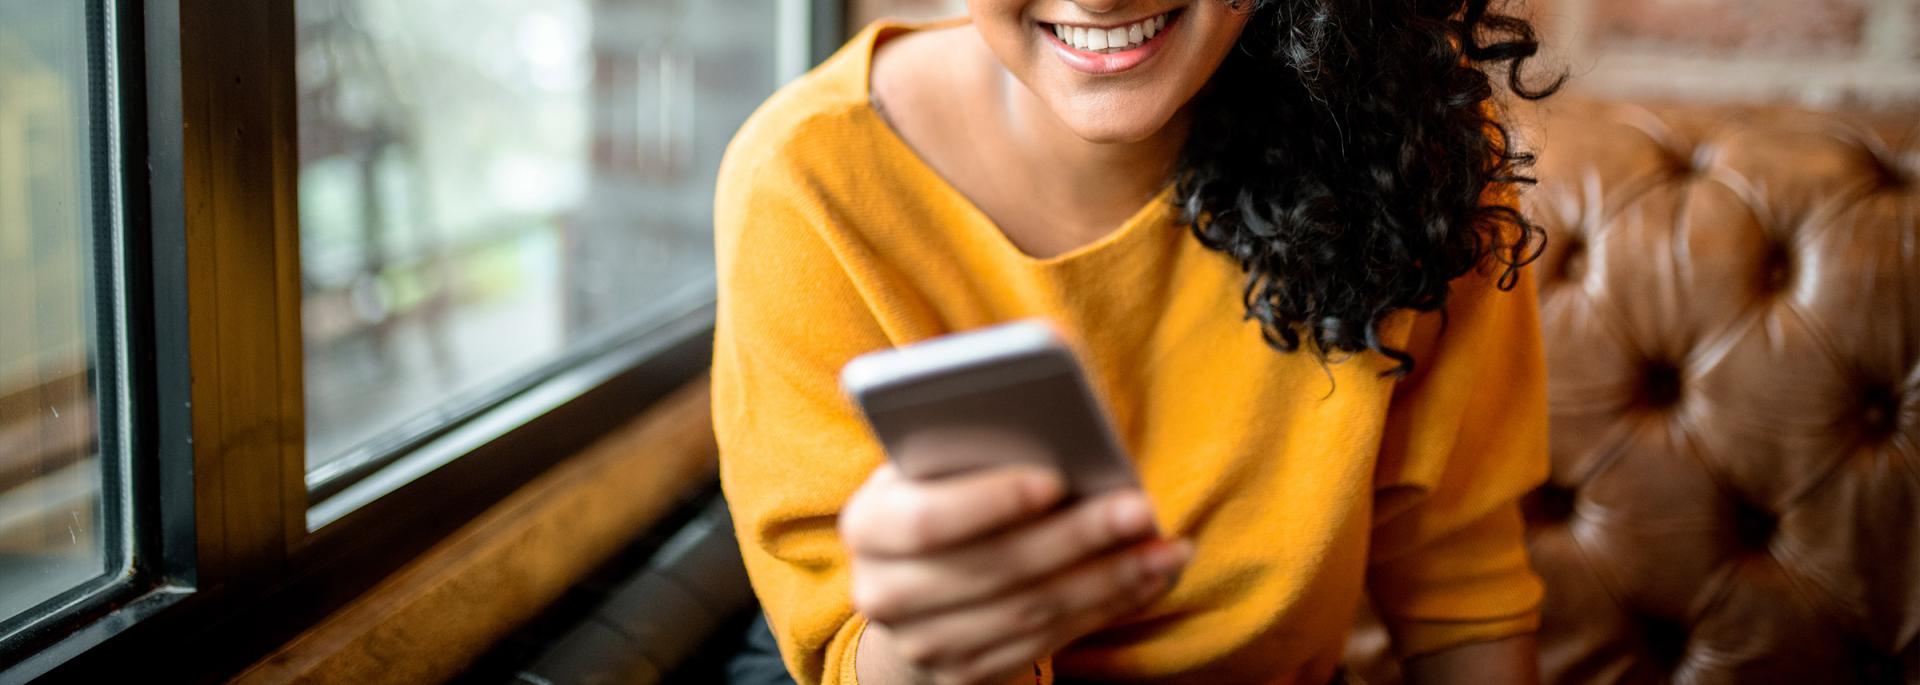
<point>1731,303</point>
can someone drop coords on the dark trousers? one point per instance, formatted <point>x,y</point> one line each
<point>758,661</point>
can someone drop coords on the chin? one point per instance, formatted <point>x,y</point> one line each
<point>1113,122</point>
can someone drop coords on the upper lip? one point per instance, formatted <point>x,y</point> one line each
<point>1116,25</point>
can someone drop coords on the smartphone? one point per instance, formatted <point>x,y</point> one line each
<point>1017,379</point>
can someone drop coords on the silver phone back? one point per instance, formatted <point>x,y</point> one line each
<point>1019,378</point>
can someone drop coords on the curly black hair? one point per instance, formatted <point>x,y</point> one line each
<point>1343,154</point>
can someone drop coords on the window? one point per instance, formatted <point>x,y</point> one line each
<point>364,268</point>
<point>60,465</point>
<point>488,188</point>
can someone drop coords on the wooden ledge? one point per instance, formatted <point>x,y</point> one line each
<point>430,620</point>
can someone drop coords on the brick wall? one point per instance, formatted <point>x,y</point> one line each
<point>1822,53</point>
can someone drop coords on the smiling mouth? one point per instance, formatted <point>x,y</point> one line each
<point>1111,39</point>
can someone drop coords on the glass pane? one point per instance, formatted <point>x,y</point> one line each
<point>53,529</point>
<point>485,183</point>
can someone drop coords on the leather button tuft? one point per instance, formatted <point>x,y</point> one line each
<point>1779,270</point>
<point>1551,504</point>
<point>1896,179</point>
<point>1702,158</point>
<point>1753,526</point>
<point>1694,163</point>
<point>1573,265</point>
<point>1880,411</point>
<point>1660,385</point>
<point>1666,641</point>
<point>1898,173</point>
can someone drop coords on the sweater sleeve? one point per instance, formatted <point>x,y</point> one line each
<point>792,448</point>
<point>1466,438</point>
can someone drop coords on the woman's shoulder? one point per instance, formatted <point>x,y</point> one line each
<point>829,116</point>
<point>825,116</point>
<point>820,107</point>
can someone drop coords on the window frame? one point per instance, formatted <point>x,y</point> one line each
<point>231,548</point>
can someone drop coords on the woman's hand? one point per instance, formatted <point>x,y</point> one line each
<point>972,578</point>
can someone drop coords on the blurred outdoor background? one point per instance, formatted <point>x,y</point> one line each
<point>50,475</point>
<point>486,182</point>
<point>485,187</point>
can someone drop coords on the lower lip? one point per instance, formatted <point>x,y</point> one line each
<point>1101,63</point>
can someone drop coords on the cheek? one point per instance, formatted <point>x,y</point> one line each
<point>1226,34</point>
<point>1004,28</point>
<point>997,18</point>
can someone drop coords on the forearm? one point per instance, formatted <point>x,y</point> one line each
<point>1510,660</point>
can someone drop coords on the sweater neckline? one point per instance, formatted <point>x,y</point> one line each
<point>979,226</point>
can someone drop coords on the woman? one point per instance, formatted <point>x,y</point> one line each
<point>1281,233</point>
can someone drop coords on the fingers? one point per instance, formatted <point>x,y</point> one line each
<point>972,576</point>
<point>897,589</point>
<point>894,516</point>
<point>1033,622</point>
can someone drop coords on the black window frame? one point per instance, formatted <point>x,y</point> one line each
<point>229,557</point>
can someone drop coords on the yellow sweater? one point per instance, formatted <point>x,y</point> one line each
<point>834,239</point>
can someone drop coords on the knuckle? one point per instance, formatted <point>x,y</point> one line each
<point>1017,497</point>
<point>877,602</point>
<point>852,530</point>
<point>919,527</point>
<point>855,523</point>
<point>1095,527</point>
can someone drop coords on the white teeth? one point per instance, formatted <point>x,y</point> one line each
<point>1122,38</point>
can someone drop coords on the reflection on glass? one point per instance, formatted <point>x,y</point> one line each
<point>486,182</point>
<point>51,522</point>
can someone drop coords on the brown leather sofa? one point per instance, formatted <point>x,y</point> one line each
<point>1731,301</point>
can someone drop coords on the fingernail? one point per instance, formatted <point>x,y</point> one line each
<point>1130,515</point>
<point>1165,560</point>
